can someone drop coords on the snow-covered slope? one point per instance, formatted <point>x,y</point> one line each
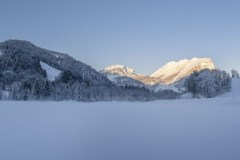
<point>52,73</point>
<point>174,71</point>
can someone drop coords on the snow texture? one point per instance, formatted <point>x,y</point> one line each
<point>200,129</point>
<point>52,73</point>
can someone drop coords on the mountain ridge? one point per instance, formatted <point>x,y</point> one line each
<point>169,70</point>
<point>174,71</point>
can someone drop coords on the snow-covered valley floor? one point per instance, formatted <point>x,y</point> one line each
<point>206,129</point>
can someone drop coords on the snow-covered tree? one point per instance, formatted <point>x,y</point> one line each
<point>208,83</point>
<point>235,73</point>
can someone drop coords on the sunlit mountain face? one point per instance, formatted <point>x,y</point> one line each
<point>167,75</point>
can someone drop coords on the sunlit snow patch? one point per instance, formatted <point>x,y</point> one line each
<point>52,73</point>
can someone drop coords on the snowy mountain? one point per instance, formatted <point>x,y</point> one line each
<point>122,76</point>
<point>166,77</point>
<point>174,71</point>
<point>52,73</point>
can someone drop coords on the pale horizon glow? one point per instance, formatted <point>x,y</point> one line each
<point>143,35</point>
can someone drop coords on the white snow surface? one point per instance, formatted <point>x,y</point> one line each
<point>182,69</point>
<point>52,73</point>
<point>196,129</point>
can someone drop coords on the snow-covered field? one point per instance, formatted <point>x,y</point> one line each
<point>206,129</point>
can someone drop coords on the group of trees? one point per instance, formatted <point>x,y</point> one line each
<point>69,87</point>
<point>235,73</point>
<point>208,83</point>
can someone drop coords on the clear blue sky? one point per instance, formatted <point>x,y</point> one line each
<point>143,34</point>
